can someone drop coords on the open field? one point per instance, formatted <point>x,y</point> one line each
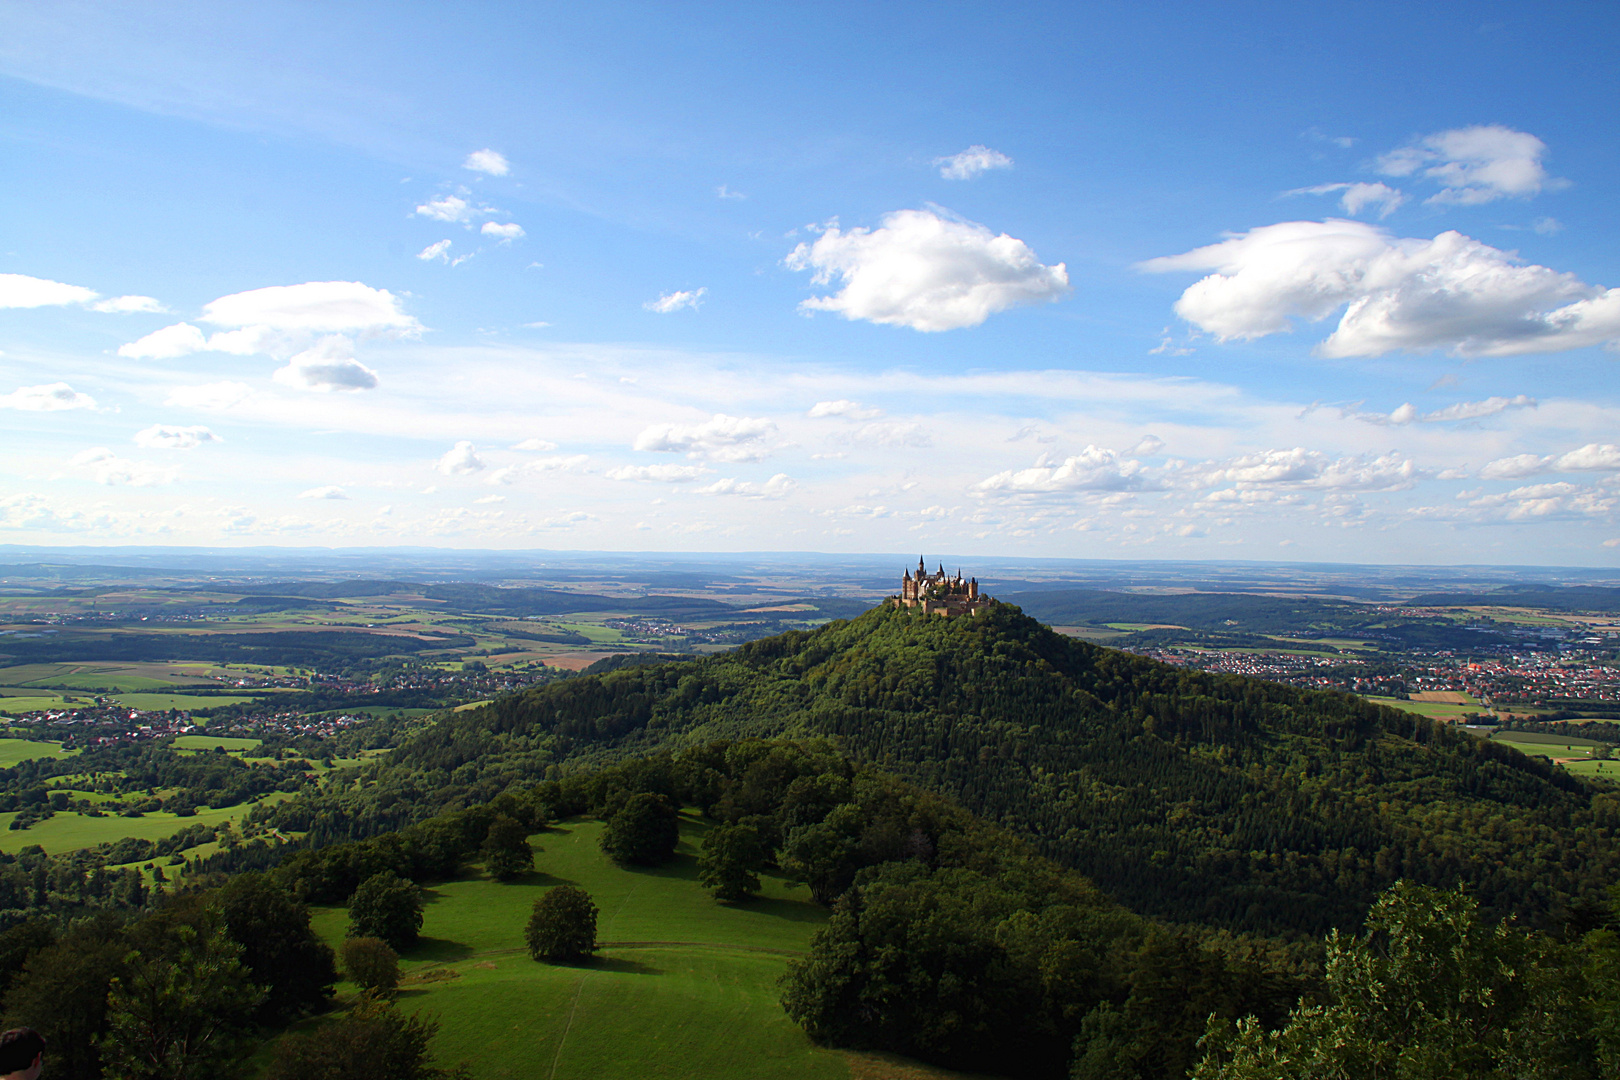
<point>1437,710</point>
<point>69,831</point>
<point>683,986</point>
<point>1445,697</point>
<point>14,750</point>
<point>208,742</point>
<point>149,702</point>
<point>1556,746</point>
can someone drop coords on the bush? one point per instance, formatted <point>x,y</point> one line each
<point>563,926</point>
<point>644,832</point>
<point>374,1042</point>
<point>386,906</point>
<point>371,965</point>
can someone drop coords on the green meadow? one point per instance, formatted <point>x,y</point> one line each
<point>208,742</point>
<point>1435,710</point>
<point>71,831</point>
<point>149,702</point>
<point>683,986</point>
<point>14,750</point>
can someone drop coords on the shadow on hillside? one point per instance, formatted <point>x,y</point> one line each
<point>801,911</point>
<point>682,867</point>
<point>438,950</point>
<point>622,966</point>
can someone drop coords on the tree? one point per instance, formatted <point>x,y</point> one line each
<point>562,928</point>
<point>62,994</point>
<point>374,1042</point>
<point>371,965</point>
<point>1430,989</point>
<point>282,954</point>
<point>386,906</point>
<point>506,850</point>
<point>644,832</point>
<point>182,1014</point>
<point>733,856</point>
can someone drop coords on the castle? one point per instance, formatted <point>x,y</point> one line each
<point>938,593</point>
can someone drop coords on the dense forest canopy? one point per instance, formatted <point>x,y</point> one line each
<point>1194,797</point>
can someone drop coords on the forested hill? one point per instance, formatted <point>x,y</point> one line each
<point>1214,799</point>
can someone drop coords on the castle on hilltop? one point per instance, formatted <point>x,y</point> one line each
<point>939,593</point>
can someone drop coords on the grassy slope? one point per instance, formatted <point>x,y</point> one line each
<point>69,831</point>
<point>703,1004</point>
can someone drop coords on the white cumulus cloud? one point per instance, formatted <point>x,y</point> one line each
<point>777,487</point>
<point>1299,468</point>
<point>326,366</point>
<point>329,491</point>
<point>1474,165</point>
<point>489,162</point>
<point>22,291</point>
<point>722,438</point>
<point>174,437</point>
<point>460,460</point>
<point>540,445</point>
<point>925,271</point>
<point>971,162</point>
<point>504,233</point>
<point>1452,292</point>
<point>450,208</point>
<point>51,397</point>
<point>1095,468</point>
<point>1593,457</point>
<point>658,474</point>
<point>181,339</point>
<point>1357,197</point>
<point>675,301</point>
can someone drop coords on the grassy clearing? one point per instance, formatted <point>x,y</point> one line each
<point>69,831</point>
<point>11,706</point>
<point>1600,770</point>
<point>1436,710</point>
<point>1559,746</point>
<point>14,750</point>
<point>683,987</point>
<point>148,702</point>
<point>208,742</point>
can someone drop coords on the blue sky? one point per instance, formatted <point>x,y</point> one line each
<point>1255,281</point>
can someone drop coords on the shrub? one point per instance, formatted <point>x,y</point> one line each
<point>371,965</point>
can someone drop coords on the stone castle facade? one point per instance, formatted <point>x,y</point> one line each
<point>939,593</point>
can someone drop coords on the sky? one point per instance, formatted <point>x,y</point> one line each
<point>1185,280</point>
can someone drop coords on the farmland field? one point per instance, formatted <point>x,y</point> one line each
<point>208,742</point>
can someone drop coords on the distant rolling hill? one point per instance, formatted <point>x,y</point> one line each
<point>1214,799</point>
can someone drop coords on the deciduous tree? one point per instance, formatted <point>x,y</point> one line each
<point>386,906</point>
<point>562,928</point>
<point>644,832</point>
